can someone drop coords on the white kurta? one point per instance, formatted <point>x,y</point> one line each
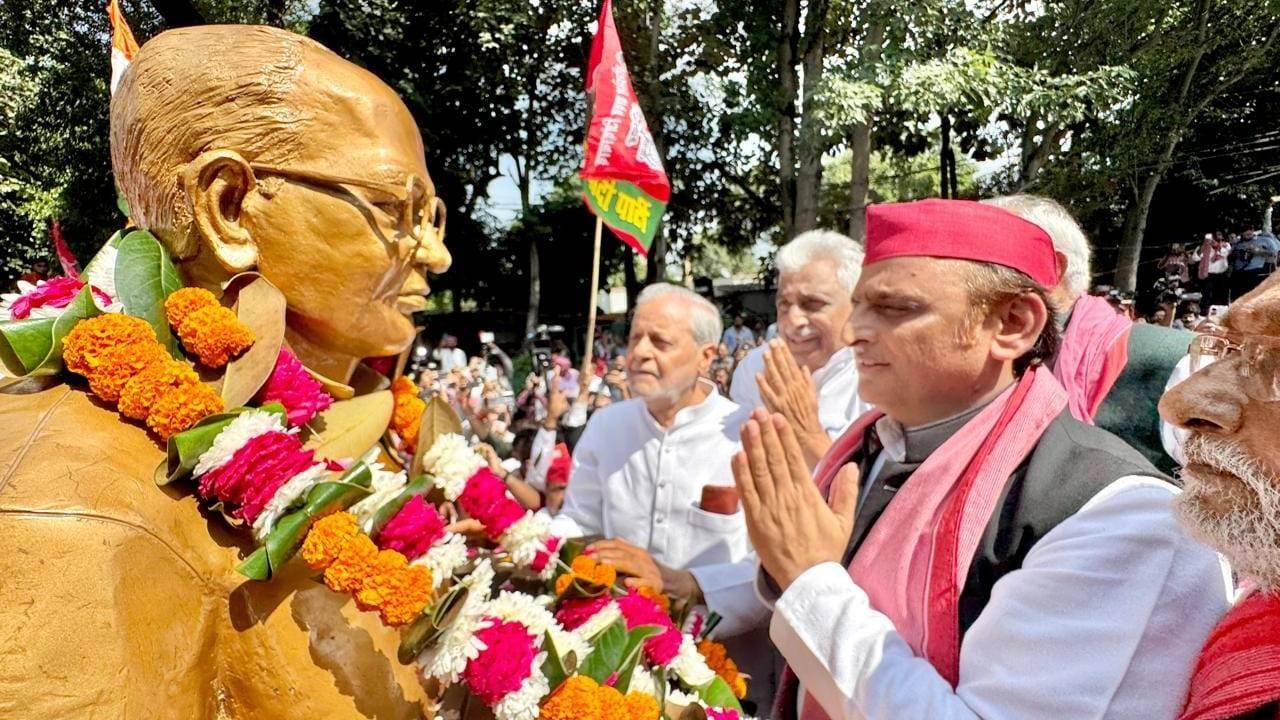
<point>633,480</point>
<point>1104,620</point>
<point>836,382</point>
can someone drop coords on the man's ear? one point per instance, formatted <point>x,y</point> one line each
<point>1021,320</point>
<point>217,183</point>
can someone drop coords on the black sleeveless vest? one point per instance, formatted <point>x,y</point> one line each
<point>1071,463</point>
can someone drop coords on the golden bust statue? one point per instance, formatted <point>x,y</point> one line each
<point>241,148</point>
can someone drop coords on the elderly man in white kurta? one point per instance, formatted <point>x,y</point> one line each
<point>807,373</point>
<point>641,465</point>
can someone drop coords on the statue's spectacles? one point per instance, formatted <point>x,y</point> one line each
<point>1258,357</point>
<point>417,211</point>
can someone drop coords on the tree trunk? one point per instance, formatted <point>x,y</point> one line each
<point>944,177</point>
<point>535,287</point>
<point>629,277</point>
<point>809,179</point>
<point>859,181</point>
<point>788,83</point>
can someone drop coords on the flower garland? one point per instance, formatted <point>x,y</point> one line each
<point>406,416</point>
<point>125,364</point>
<point>206,328</point>
<point>48,298</point>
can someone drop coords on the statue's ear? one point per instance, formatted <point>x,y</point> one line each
<point>217,183</point>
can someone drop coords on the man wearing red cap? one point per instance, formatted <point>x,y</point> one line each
<point>979,553</point>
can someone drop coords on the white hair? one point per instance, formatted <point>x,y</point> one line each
<point>814,245</point>
<point>1063,230</point>
<point>704,317</point>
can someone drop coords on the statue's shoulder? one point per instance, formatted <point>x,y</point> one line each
<point>65,455</point>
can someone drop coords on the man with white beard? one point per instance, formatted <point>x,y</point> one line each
<point>1231,500</point>
<point>807,374</point>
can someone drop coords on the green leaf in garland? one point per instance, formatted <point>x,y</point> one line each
<point>553,667</point>
<point>144,277</point>
<point>418,486</point>
<point>185,448</point>
<point>717,694</point>
<point>289,532</point>
<point>631,654</point>
<point>431,624</point>
<point>33,347</point>
<point>608,653</point>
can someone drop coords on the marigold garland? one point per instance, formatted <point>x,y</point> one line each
<point>582,698</point>
<point>590,572</point>
<point>406,417</point>
<point>718,660</point>
<point>184,301</point>
<point>84,345</point>
<point>381,580</point>
<point>658,598</point>
<point>181,407</point>
<point>118,365</point>
<point>328,536</point>
<point>144,389</point>
<point>215,335</point>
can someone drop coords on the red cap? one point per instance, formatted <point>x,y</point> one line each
<point>963,230</point>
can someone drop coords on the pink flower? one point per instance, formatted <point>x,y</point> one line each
<point>255,472</point>
<point>485,499</point>
<point>45,298</point>
<point>293,387</point>
<point>505,662</point>
<point>722,714</point>
<point>544,557</point>
<point>575,612</point>
<point>413,530</point>
<point>639,610</point>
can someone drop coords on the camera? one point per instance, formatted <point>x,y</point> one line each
<point>539,342</point>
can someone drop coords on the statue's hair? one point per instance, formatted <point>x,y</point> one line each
<point>196,89</point>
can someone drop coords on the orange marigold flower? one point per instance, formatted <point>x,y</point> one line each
<point>328,536</point>
<point>215,335</point>
<point>406,417</point>
<point>658,598</point>
<point>612,703</point>
<point>142,391</point>
<point>82,348</point>
<point>639,706</point>
<point>719,661</point>
<point>182,303</point>
<point>181,407</point>
<point>352,566</point>
<point>408,591</point>
<point>376,587</point>
<point>589,572</point>
<point>117,365</point>
<point>576,699</point>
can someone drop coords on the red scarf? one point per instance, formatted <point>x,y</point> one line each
<point>916,558</point>
<point>1239,667</point>
<point>1095,349</point>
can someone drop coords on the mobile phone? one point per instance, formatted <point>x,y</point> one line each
<point>486,338</point>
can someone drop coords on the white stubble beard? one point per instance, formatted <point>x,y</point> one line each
<point>1248,533</point>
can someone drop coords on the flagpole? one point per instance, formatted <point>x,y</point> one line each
<point>595,285</point>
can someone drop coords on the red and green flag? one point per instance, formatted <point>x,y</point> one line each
<point>622,176</point>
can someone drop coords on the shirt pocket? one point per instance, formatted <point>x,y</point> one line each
<point>716,538</point>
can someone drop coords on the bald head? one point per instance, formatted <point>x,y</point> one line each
<point>270,95</point>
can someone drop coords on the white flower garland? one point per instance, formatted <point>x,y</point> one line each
<point>286,496</point>
<point>458,645</point>
<point>525,538</point>
<point>384,487</point>
<point>690,666</point>
<point>604,617</point>
<point>451,462</point>
<point>447,555</point>
<point>245,427</point>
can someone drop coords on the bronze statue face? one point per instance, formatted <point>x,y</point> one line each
<point>294,163</point>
